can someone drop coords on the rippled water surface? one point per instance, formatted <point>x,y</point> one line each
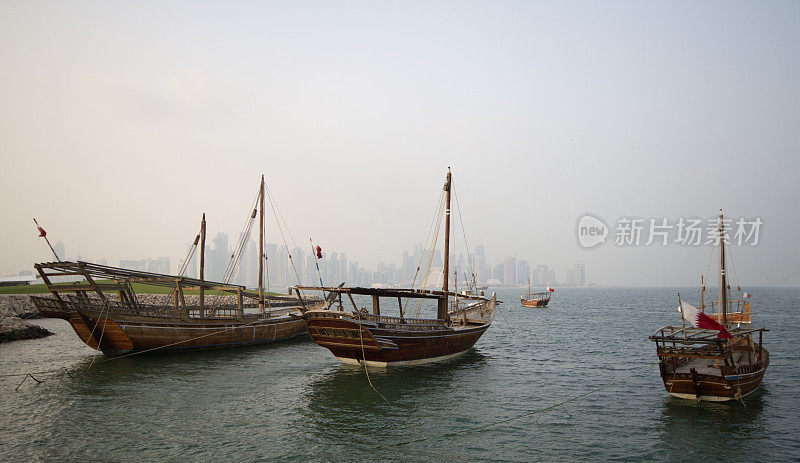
<point>293,400</point>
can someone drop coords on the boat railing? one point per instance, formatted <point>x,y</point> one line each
<point>401,320</point>
<point>150,310</point>
<point>737,311</point>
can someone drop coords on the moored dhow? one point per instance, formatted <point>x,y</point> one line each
<point>359,336</point>
<point>109,316</point>
<point>540,299</point>
<point>379,340</point>
<point>712,360</point>
<point>100,303</point>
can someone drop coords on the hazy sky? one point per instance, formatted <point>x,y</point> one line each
<point>122,122</point>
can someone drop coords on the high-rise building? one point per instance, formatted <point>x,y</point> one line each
<point>271,269</point>
<point>579,271</point>
<point>282,265</point>
<point>523,271</point>
<point>217,259</point>
<point>160,265</point>
<point>133,264</point>
<point>509,271</point>
<point>60,250</point>
<point>497,272</point>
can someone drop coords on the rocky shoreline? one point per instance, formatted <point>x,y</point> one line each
<point>14,311</point>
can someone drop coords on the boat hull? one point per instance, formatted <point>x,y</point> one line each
<point>121,337</point>
<point>717,385</point>
<point>357,341</point>
<point>118,333</point>
<point>530,303</point>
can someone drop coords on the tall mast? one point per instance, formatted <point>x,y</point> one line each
<point>723,283</point>
<point>446,243</point>
<point>261,247</point>
<point>202,264</point>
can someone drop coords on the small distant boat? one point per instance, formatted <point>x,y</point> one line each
<point>107,315</point>
<point>376,339</point>
<point>536,299</point>
<point>712,360</point>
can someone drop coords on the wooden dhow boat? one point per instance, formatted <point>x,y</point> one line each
<point>370,337</point>
<point>105,312</point>
<point>535,299</point>
<point>712,360</point>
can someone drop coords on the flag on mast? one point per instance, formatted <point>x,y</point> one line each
<point>700,320</point>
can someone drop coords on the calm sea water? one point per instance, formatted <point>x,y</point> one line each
<point>295,401</point>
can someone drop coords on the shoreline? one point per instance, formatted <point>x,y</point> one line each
<point>15,310</point>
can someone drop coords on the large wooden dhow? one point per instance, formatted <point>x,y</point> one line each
<point>371,337</point>
<point>106,313</point>
<point>712,360</point>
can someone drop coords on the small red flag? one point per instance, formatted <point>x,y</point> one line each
<point>319,252</point>
<point>42,233</point>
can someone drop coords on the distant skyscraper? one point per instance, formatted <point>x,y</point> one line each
<point>509,270</point>
<point>282,265</point>
<point>580,274</point>
<point>217,259</point>
<point>523,271</point>
<point>160,265</point>
<point>271,270</point>
<point>59,249</point>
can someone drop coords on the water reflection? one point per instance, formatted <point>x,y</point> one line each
<point>342,406</point>
<point>692,429</point>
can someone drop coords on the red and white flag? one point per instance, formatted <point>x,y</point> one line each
<point>747,295</point>
<point>550,289</point>
<point>700,320</point>
<point>319,252</point>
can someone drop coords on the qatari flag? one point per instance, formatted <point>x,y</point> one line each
<point>42,233</point>
<point>319,252</point>
<point>700,320</point>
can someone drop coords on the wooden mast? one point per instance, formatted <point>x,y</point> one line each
<point>261,247</point>
<point>202,264</point>
<point>442,312</point>
<point>723,284</point>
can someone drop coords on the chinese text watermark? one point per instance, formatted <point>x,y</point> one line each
<point>683,231</point>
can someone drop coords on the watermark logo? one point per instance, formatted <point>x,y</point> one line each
<point>661,231</point>
<point>591,231</point>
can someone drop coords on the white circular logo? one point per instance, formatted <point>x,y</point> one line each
<point>591,231</point>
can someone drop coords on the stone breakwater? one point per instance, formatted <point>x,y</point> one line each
<point>14,310</point>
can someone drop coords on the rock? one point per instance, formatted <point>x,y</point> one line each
<point>14,328</point>
<point>18,305</point>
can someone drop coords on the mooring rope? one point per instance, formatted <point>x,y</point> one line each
<point>364,358</point>
<point>109,359</point>
<point>540,411</point>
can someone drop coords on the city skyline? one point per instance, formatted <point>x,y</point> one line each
<point>335,267</point>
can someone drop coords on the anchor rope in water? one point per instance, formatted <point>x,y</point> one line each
<point>364,358</point>
<point>540,411</point>
<point>63,369</point>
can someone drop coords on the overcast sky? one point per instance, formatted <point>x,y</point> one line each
<point>122,122</point>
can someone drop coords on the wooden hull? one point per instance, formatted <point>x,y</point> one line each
<point>117,334</point>
<point>713,384</point>
<point>353,340</point>
<point>121,337</point>
<point>534,303</point>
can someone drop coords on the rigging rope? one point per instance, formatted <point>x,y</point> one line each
<point>434,242</point>
<point>466,243</point>
<point>427,236</point>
